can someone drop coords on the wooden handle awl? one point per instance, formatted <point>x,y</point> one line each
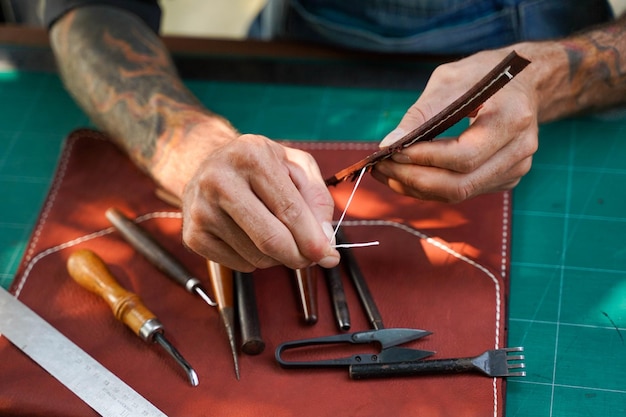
<point>88,270</point>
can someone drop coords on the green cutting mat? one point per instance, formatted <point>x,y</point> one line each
<point>568,294</point>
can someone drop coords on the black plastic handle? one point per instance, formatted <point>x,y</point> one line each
<point>430,367</point>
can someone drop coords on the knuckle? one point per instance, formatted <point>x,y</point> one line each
<point>262,262</point>
<point>468,162</point>
<point>289,212</point>
<point>526,115</point>
<point>189,232</point>
<point>529,146</point>
<point>270,244</point>
<point>446,73</point>
<point>463,191</point>
<point>521,169</point>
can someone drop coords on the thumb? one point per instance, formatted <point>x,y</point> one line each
<point>412,119</point>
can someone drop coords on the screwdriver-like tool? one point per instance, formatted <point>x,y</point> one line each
<point>88,270</point>
<point>156,254</point>
<point>221,278</point>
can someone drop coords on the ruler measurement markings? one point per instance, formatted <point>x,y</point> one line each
<point>70,365</point>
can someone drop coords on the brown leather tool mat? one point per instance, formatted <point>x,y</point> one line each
<point>438,267</point>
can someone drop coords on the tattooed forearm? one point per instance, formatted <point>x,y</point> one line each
<point>125,80</point>
<point>597,66</point>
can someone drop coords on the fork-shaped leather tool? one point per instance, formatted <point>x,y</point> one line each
<point>387,339</point>
<point>493,363</point>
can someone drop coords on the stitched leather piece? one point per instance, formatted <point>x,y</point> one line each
<point>495,79</point>
<point>438,267</point>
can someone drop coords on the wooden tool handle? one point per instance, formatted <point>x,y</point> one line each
<point>88,270</point>
<point>221,278</point>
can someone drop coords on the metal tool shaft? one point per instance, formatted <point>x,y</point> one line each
<point>169,348</point>
<point>88,270</point>
<point>221,279</point>
<point>156,254</point>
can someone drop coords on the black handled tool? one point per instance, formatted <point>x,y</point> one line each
<point>362,289</point>
<point>387,339</point>
<point>156,254</point>
<point>337,297</point>
<point>247,312</point>
<point>492,363</point>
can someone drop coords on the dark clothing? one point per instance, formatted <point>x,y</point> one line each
<point>418,26</point>
<point>433,26</point>
<point>46,12</point>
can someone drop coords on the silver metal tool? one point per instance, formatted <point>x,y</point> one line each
<point>80,373</point>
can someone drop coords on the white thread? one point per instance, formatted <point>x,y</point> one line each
<point>345,210</point>
<point>461,108</point>
<point>54,249</point>
<point>356,245</point>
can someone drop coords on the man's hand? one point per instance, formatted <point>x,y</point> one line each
<point>492,154</point>
<point>254,203</point>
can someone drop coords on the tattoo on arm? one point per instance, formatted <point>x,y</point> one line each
<point>597,65</point>
<point>122,76</point>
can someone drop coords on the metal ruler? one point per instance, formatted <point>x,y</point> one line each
<point>82,374</point>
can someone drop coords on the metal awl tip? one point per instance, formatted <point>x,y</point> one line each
<point>191,374</point>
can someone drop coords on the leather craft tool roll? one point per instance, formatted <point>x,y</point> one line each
<point>438,267</point>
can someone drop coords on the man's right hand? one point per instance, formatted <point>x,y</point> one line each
<point>254,203</point>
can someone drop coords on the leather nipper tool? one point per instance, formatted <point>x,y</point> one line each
<point>388,339</point>
<point>156,254</point>
<point>88,270</point>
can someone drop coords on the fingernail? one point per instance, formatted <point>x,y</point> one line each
<point>392,137</point>
<point>329,232</point>
<point>329,261</point>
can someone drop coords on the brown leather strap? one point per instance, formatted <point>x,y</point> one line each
<point>497,78</point>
